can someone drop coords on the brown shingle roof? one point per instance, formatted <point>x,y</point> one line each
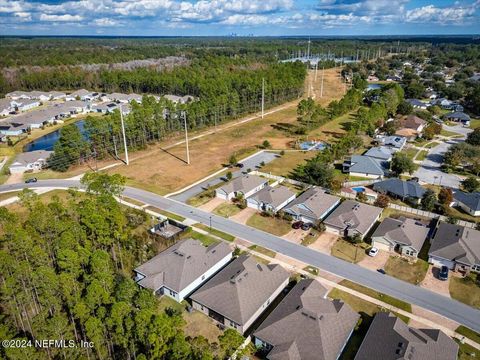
<point>312,203</point>
<point>403,231</point>
<point>244,184</point>
<point>354,215</point>
<point>306,325</point>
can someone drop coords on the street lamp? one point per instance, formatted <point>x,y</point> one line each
<point>210,223</point>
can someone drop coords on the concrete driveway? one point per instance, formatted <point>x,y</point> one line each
<point>375,262</point>
<point>431,282</point>
<point>325,242</point>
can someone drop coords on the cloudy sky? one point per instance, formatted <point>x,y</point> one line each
<point>242,17</point>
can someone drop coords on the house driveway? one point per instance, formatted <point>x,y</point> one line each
<point>212,204</point>
<point>431,282</point>
<point>325,242</point>
<point>375,262</point>
<point>242,216</point>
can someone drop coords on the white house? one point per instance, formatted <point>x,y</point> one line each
<point>468,202</point>
<point>182,268</point>
<point>271,198</point>
<point>25,105</point>
<point>30,161</point>
<point>245,186</point>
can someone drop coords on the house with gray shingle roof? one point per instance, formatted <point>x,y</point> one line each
<point>351,218</point>
<point>403,235</point>
<point>417,104</point>
<point>245,186</point>
<point>395,142</point>
<point>382,153</point>
<point>468,202</point>
<point>182,268</point>
<point>30,161</point>
<point>271,198</point>
<point>241,292</point>
<point>365,166</point>
<point>389,338</point>
<point>458,116</point>
<point>306,325</point>
<point>312,205</point>
<point>457,247</point>
<point>404,190</point>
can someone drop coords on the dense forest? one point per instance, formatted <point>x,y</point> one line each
<point>66,274</point>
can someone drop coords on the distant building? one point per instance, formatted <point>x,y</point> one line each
<point>30,161</point>
<point>468,202</point>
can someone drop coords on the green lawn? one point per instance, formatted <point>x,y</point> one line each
<point>226,210</point>
<point>204,197</point>
<point>262,250</point>
<point>422,155</point>
<point>448,133</point>
<point>269,224</point>
<point>357,304</point>
<point>206,240</point>
<point>216,232</point>
<point>400,268</point>
<point>347,251</point>
<point>166,213</point>
<point>410,152</point>
<point>474,123</point>
<point>283,165</point>
<point>467,352</point>
<point>465,290</point>
<point>312,270</point>
<point>472,335</point>
<point>311,237</point>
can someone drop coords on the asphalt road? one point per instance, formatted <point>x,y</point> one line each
<point>251,163</point>
<point>412,294</point>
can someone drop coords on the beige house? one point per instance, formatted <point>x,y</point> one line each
<point>245,186</point>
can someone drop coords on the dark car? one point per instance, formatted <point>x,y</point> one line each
<point>381,271</point>
<point>443,273</point>
<point>240,165</point>
<point>31,180</point>
<point>297,224</point>
<point>306,226</point>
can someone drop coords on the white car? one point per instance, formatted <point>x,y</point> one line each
<point>373,252</point>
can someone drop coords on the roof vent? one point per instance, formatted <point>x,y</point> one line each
<point>298,307</point>
<point>259,267</point>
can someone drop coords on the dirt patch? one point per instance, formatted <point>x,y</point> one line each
<point>212,204</point>
<point>295,235</point>
<point>431,282</point>
<point>243,215</point>
<point>375,262</point>
<point>325,243</point>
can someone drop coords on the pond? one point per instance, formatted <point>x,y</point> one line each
<point>46,142</point>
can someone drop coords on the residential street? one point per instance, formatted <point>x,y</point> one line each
<point>427,299</point>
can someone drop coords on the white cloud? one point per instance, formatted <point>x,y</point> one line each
<point>60,18</point>
<point>105,22</point>
<point>444,16</point>
<point>23,16</point>
<point>7,6</point>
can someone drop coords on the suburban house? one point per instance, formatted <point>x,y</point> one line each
<point>6,106</point>
<point>182,268</point>
<point>458,116</point>
<point>410,126</point>
<point>57,95</point>
<point>124,98</point>
<point>457,247</point>
<point>237,295</point>
<point>105,108</point>
<point>381,153</point>
<point>29,161</point>
<point>365,166</point>
<point>246,186</point>
<point>179,99</point>
<point>390,338</point>
<point>468,202</point>
<point>403,235</point>
<point>404,190</point>
<point>417,104</point>
<point>394,142</point>
<point>351,218</point>
<point>12,128</point>
<point>311,206</point>
<point>39,95</point>
<point>83,95</point>
<point>306,325</point>
<point>271,198</point>
<point>27,104</point>
<point>16,95</point>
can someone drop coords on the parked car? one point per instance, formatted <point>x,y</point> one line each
<point>297,224</point>
<point>31,180</point>
<point>373,252</point>
<point>381,271</point>
<point>306,226</point>
<point>443,273</point>
<point>240,165</point>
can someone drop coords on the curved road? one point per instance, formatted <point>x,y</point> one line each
<point>416,295</point>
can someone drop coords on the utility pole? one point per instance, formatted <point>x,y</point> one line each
<point>323,76</point>
<point>186,135</point>
<point>316,70</point>
<point>263,97</point>
<point>215,120</point>
<point>124,136</point>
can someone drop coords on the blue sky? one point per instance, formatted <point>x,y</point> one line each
<point>242,17</point>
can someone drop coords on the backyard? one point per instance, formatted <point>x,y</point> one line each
<point>411,271</point>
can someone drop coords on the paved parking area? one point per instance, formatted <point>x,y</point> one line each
<point>375,262</point>
<point>431,282</point>
<point>243,215</point>
<point>325,243</point>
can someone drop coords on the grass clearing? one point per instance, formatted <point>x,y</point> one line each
<point>204,197</point>
<point>216,232</point>
<point>401,268</point>
<point>333,129</point>
<point>465,290</point>
<point>132,201</point>
<point>447,133</point>
<point>411,152</point>
<point>262,250</point>
<point>474,123</point>
<point>347,251</point>
<point>472,335</point>
<point>311,237</point>
<point>269,224</point>
<point>226,210</point>
<point>422,155</point>
<point>357,304</point>
<point>284,164</point>
<point>166,213</point>
<point>8,195</point>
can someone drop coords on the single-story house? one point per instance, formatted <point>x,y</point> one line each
<point>412,122</point>
<point>271,198</point>
<point>6,107</point>
<point>457,247</point>
<point>105,108</point>
<point>246,186</point>
<point>457,116</point>
<point>390,338</point>
<point>27,104</point>
<point>30,161</point>
<point>241,292</point>
<point>39,95</point>
<point>351,218</point>
<point>404,190</point>
<point>179,99</point>
<point>12,128</point>
<point>394,78</point>
<point>395,142</point>
<point>306,325</point>
<point>182,268</point>
<point>16,95</point>
<point>365,166</point>
<point>382,153</point>
<point>312,205</point>
<point>57,95</point>
<point>417,104</point>
<point>403,235</point>
<point>468,202</point>
<point>82,94</point>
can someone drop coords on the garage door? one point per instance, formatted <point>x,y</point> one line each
<point>381,246</point>
<point>442,262</point>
